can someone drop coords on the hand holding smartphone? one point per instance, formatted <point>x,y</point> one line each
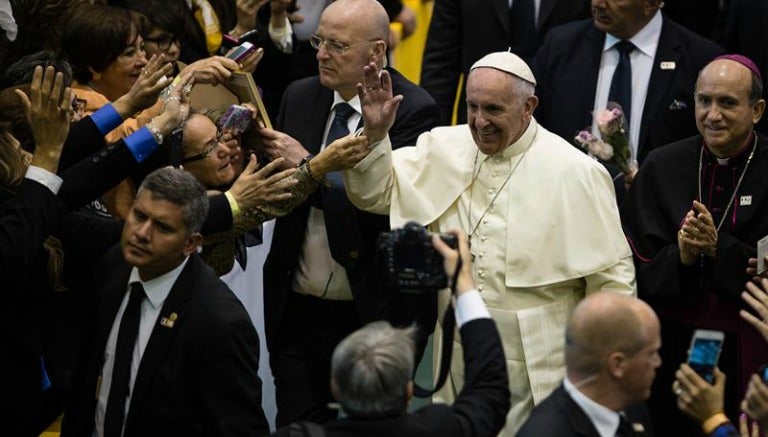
<point>704,352</point>
<point>241,52</point>
<point>236,120</point>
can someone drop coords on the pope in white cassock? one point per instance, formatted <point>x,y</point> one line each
<point>541,215</point>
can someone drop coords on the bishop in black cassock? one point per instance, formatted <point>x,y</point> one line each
<point>725,170</point>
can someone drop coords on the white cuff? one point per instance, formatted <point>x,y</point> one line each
<point>51,181</point>
<point>470,306</point>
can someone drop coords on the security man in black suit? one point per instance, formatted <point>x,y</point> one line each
<point>612,347</point>
<point>175,352</point>
<point>321,279</point>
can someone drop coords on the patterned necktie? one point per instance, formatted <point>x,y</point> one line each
<point>208,20</point>
<point>340,218</point>
<point>621,83</point>
<point>121,369</point>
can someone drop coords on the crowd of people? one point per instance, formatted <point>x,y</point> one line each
<point>171,269</point>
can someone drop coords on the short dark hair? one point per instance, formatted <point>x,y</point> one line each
<point>95,36</point>
<point>180,188</point>
<point>21,71</point>
<point>164,14</point>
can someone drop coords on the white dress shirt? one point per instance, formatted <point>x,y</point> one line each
<point>605,420</point>
<point>318,273</point>
<point>156,291</point>
<point>646,42</point>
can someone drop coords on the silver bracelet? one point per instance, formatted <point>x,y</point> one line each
<point>155,132</point>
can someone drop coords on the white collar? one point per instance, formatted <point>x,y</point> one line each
<point>646,40</point>
<point>605,420</point>
<point>158,289</point>
<point>354,102</point>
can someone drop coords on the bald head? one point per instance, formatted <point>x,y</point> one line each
<point>603,323</point>
<point>612,349</point>
<point>367,18</point>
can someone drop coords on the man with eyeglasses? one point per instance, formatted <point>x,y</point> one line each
<point>320,277</point>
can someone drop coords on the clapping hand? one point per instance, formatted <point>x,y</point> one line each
<point>756,296</point>
<point>698,235</point>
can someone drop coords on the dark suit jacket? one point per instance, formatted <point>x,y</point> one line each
<point>746,33</point>
<point>303,115</point>
<point>566,69</point>
<point>560,416</point>
<point>197,378</point>
<point>463,31</point>
<point>480,410</point>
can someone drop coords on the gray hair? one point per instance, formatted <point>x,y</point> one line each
<point>522,88</point>
<point>371,369</point>
<point>180,188</point>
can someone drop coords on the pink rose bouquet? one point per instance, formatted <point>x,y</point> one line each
<point>614,147</point>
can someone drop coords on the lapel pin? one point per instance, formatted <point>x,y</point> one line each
<point>169,321</point>
<point>638,427</point>
<point>745,201</point>
<point>668,65</point>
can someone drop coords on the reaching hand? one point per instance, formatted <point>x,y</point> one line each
<point>755,402</point>
<point>246,15</point>
<point>214,70</point>
<point>756,295</point>
<point>250,62</point>
<point>744,428</point>
<point>281,145</point>
<point>152,80</point>
<point>176,107</point>
<point>698,398</point>
<point>48,111</point>
<point>378,105</point>
<point>752,267</point>
<point>341,154</point>
<point>255,188</point>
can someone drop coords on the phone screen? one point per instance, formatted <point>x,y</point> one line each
<point>703,357</point>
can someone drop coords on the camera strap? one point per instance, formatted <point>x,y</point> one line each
<point>449,326</point>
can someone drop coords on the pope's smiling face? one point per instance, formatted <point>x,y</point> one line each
<point>498,113</point>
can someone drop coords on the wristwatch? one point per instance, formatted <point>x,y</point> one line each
<point>306,159</point>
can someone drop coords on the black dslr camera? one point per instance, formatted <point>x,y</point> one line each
<point>411,264</point>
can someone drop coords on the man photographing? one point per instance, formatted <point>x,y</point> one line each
<point>372,368</point>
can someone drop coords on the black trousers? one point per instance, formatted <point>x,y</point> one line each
<point>301,359</point>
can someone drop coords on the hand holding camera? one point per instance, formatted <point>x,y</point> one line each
<point>464,280</point>
<point>417,261</point>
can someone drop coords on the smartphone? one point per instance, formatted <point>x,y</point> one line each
<point>236,120</point>
<point>704,352</point>
<point>241,52</point>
